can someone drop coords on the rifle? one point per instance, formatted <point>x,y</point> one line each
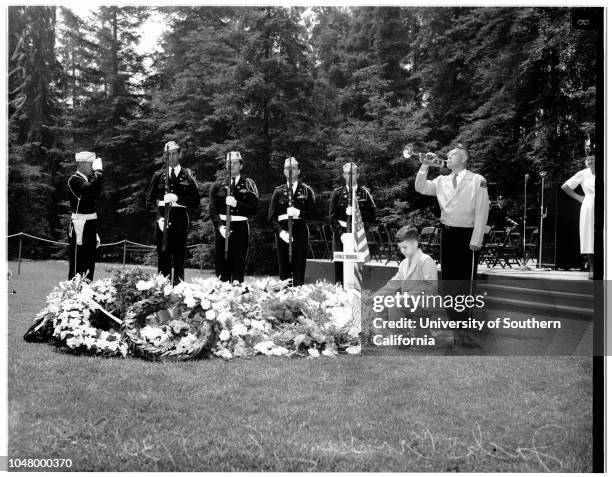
<point>166,206</point>
<point>289,218</point>
<point>228,209</point>
<point>349,223</point>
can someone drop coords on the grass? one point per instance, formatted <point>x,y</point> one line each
<point>383,413</point>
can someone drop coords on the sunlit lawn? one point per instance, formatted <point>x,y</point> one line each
<point>386,413</point>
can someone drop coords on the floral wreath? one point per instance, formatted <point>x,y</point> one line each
<point>163,327</point>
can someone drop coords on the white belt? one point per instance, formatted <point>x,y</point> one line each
<point>286,217</point>
<point>161,203</point>
<point>342,223</point>
<point>93,216</point>
<point>234,218</point>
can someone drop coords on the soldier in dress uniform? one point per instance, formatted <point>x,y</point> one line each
<point>340,212</point>
<point>303,208</point>
<point>464,206</point>
<point>183,195</point>
<point>498,215</point>
<point>83,190</point>
<point>243,198</point>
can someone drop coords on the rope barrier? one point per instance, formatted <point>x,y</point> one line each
<point>23,234</point>
<point>139,244</point>
<point>123,242</point>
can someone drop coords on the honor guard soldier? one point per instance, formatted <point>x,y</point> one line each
<point>464,205</point>
<point>292,204</point>
<point>172,191</point>
<point>239,195</point>
<point>83,190</point>
<point>340,212</point>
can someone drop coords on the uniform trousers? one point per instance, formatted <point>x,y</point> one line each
<point>231,269</point>
<point>296,268</point>
<point>459,265</point>
<point>174,255</point>
<point>82,258</point>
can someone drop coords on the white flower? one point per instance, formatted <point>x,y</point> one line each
<point>210,315</point>
<point>89,342</point>
<point>190,301</point>
<point>224,353</point>
<point>354,349</point>
<point>86,292</point>
<point>144,285</point>
<point>279,351</point>
<point>263,347</point>
<point>151,333</point>
<point>205,304</point>
<point>239,330</point>
<point>224,335</point>
<point>258,325</point>
<point>168,290</point>
<point>313,352</point>
<point>328,352</point>
<point>72,342</point>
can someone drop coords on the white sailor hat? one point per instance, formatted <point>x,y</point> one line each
<point>235,155</point>
<point>85,156</point>
<point>347,167</point>
<point>291,161</point>
<point>171,146</point>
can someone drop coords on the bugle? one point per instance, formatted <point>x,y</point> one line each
<point>428,158</point>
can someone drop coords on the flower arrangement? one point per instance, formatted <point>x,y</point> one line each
<point>134,314</point>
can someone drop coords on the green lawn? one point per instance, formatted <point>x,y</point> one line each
<point>385,413</point>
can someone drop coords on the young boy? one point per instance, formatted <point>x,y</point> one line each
<point>417,274</point>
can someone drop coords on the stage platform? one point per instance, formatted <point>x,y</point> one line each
<point>554,293</point>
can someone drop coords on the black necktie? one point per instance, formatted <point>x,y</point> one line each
<point>173,176</point>
<point>233,183</point>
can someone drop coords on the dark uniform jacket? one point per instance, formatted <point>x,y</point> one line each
<point>184,187</point>
<point>86,191</point>
<point>303,199</point>
<point>340,201</point>
<point>246,195</point>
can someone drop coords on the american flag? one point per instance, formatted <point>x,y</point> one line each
<point>361,245</point>
<point>359,234</point>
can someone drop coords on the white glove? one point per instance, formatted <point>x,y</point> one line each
<point>349,210</point>
<point>97,240</point>
<point>284,235</point>
<point>347,239</point>
<point>293,212</point>
<point>169,198</point>
<point>160,224</point>
<point>96,165</point>
<point>222,231</point>
<point>229,200</point>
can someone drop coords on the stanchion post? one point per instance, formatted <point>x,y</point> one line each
<point>124,251</point>
<point>19,259</point>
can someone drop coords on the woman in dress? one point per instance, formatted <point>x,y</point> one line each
<point>586,179</point>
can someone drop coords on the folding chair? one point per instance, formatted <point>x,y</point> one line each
<point>375,241</point>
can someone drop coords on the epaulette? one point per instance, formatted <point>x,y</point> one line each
<point>310,189</point>
<point>69,179</point>
<point>368,193</point>
<point>251,186</point>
